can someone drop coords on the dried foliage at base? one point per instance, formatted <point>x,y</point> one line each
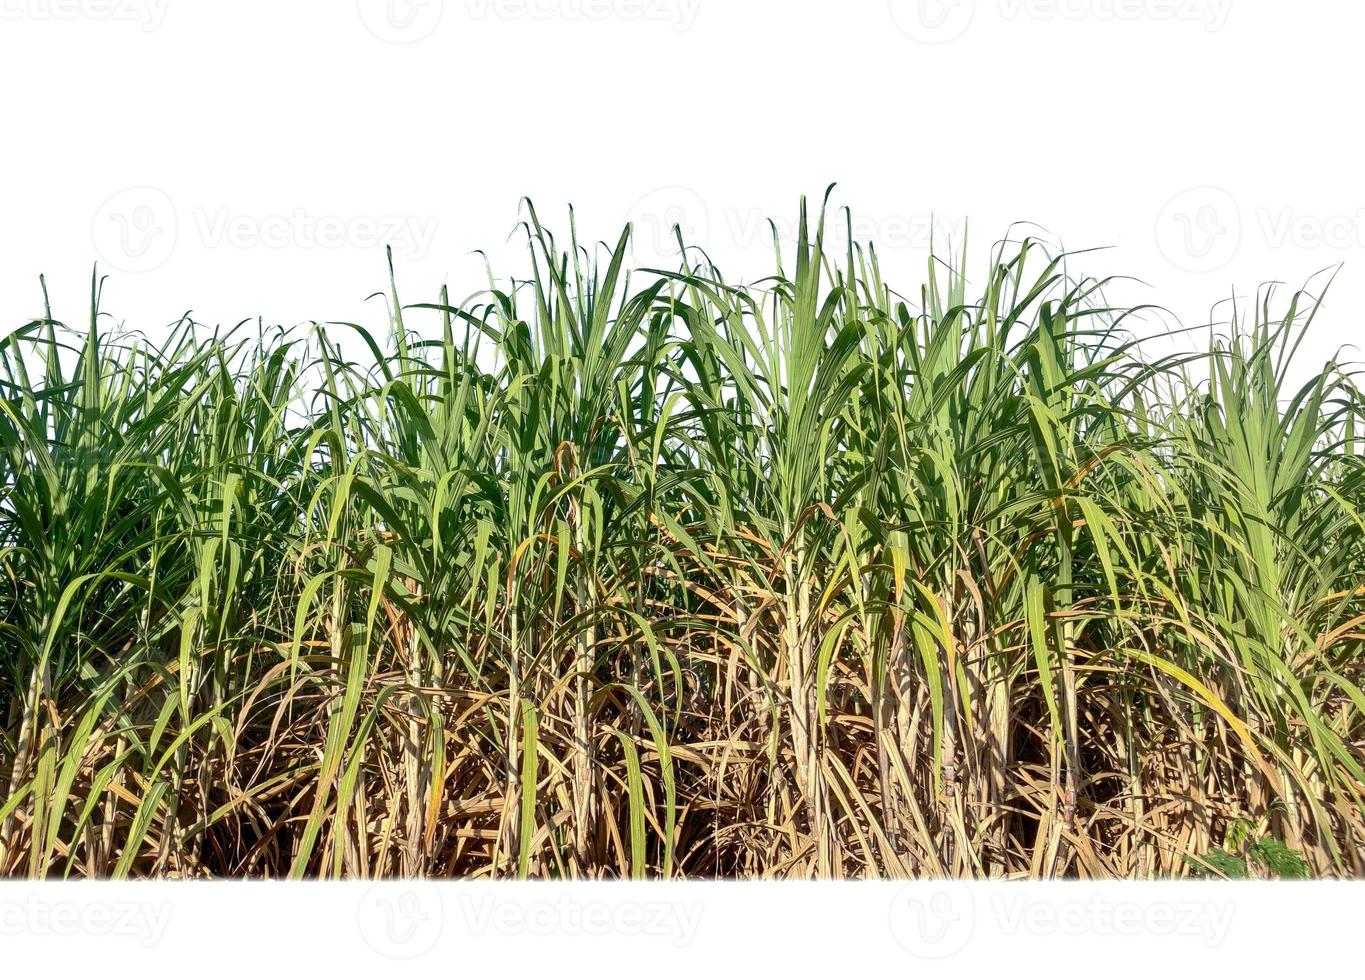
<point>664,576</point>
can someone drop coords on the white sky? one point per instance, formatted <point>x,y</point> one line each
<point>270,147</point>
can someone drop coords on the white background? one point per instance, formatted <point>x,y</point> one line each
<point>556,931</point>
<point>248,158</point>
<point>251,158</point>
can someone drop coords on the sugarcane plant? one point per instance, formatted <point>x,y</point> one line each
<point>608,571</point>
